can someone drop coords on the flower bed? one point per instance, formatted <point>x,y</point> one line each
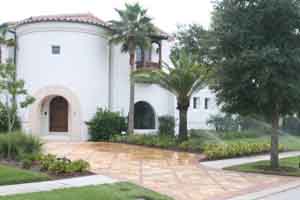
<point>22,151</point>
<point>220,151</point>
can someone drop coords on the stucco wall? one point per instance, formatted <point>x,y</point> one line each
<point>82,65</point>
<point>198,117</point>
<point>161,100</point>
<point>87,67</point>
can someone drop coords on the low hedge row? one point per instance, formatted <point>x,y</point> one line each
<point>221,151</point>
<point>147,140</point>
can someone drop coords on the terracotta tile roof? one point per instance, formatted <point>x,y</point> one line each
<point>87,18</point>
<point>81,18</point>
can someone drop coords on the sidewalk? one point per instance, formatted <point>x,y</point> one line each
<point>220,164</point>
<point>286,192</point>
<point>289,191</point>
<point>53,185</point>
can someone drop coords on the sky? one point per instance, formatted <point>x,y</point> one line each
<point>167,14</point>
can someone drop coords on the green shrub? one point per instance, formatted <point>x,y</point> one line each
<point>26,163</point>
<point>60,166</point>
<point>106,124</point>
<point>15,145</point>
<point>166,125</point>
<point>195,144</point>
<point>46,160</point>
<point>221,151</point>
<point>78,166</point>
<point>238,135</point>
<point>4,121</point>
<point>56,165</point>
<point>28,160</point>
<point>148,140</point>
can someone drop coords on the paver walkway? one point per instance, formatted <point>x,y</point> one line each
<point>176,174</point>
<point>53,185</point>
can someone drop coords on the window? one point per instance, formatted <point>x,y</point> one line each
<point>0,54</point>
<point>11,53</point>
<point>139,54</point>
<point>206,103</point>
<point>196,102</point>
<point>55,50</point>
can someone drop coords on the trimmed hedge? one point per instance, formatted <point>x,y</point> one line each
<point>147,140</point>
<point>221,151</point>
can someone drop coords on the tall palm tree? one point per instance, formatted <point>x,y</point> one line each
<point>132,30</point>
<point>182,79</point>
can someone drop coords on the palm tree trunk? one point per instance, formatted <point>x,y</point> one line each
<point>183,130</point>
<point>131,96</point>
<point>275,141</point>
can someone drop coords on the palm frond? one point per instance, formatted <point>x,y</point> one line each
<point>133,29</point>
<point>182,79</point>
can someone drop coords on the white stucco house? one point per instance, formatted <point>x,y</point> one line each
<point>71,69</point>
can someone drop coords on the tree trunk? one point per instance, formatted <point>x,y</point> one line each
<point>131,95</point>
<point>183,130</point>
<point>275,141</point>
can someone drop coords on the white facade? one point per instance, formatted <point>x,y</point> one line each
<point>88,73</point>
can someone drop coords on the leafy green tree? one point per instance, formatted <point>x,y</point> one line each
<point>258,43</point>
<point>133,30</point>
<point>184,78</point>
<point>12,89</point>
<point>196,40</point>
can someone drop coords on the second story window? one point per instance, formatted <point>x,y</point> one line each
<point>138,54</point>
<point>55,50</point>
<point>196,102</point>
<point>206,103</point>
<point>0,54</point>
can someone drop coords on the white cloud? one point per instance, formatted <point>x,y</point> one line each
<point>166,13</point>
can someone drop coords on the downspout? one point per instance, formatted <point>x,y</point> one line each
<point>110,78</point>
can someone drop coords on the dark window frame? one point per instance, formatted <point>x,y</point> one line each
<point>206,102</point>
<point>196,102</point>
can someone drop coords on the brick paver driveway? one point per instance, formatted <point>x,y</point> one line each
<point>176,174</point>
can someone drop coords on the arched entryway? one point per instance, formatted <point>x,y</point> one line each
<point>63,107</point>
<point>144,116</point>
<point>59,112</point>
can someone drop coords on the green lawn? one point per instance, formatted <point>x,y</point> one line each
<point>288,141</point>
<point>118,191</point>
<point>289,167</point>
<point>11,175</point>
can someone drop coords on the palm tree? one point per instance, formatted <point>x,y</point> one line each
<point>133,30</point>
<point>182,79</point>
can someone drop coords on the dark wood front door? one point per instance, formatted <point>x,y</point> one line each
<point>58,115</point>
